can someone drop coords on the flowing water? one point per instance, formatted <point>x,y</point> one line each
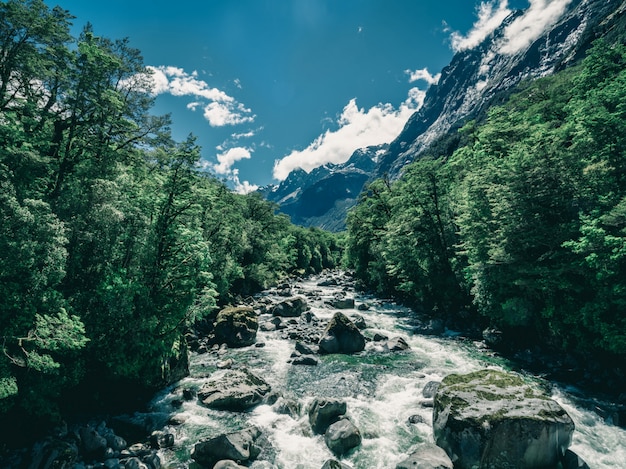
<point>382,391</point>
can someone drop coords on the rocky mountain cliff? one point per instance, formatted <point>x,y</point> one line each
<point>475,79</point>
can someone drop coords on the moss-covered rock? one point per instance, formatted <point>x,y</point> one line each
<point>236,326</point>
<point>493,419</point>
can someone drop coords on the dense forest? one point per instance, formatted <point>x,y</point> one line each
<point>112,240</point>
<point>524,225</point>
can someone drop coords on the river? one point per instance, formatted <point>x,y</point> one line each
<point>382,391</point>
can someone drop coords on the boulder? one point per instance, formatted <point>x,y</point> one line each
<point>333,464</point>
<point>305,349</point>
<point>238,446</point>
<point>291,307</point>
<point>495,419</point>
<point>396,344</point>
<point>228,464</point>
<point>342,436</point>
<point>287,406</point>
<point>341,302</point>
<point>430,389</point>
<point>427,456</point>
<point>341,336</point>
<point>236,390</point>
<point>92,443</point>
<point>160,439</point>
<point>330,282</point>
<point>306,360</point>
<point>359,321</point>
<point>324,412</point>
<point>236,327</point>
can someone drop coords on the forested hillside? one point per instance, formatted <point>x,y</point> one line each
<point>112,241</point>
<point>525,224</point>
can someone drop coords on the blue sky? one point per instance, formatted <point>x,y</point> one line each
<point>271,85</point>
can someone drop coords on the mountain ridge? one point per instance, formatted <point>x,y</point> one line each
<point>475,79</point>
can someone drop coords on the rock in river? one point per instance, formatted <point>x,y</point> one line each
<point>493,419</point>
<point>324,412</point>
<point>342,436</point>
<point>236,327</point>
<point>237,446</point>
<point>341,336</point>
<point>236,390</point>
<point>291,307</point>
<point>427,456</point>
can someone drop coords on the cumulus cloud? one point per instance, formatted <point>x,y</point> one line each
<point>490,16</point>
<point>422,74</point>
<point>358,128</point>
<point>530,26</point>
<point>228,158</point>
<point>242,187</point>
<point>220,109</point>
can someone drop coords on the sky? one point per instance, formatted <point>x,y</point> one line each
<point>268,86</point>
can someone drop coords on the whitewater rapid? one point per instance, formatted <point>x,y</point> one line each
<point>383,392</point>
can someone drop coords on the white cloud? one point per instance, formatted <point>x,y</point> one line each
<point>240,135</point>
<point>193,105</point>
<point>221,114</point>
<point>243,187</point>
<point>220,109</point>
<point>522,32</point>
<point>490,16</point>
<point>227,159</point>
<point>530,26</point>
<point>422,74</point>
<point>358,128</point>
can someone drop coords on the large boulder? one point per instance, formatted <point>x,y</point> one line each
<point>241,446</point>
<point>341,336</point>
<point>236,326</point>
<point>324,412</point>
<point>427,456</point>
<point>493,419</point>
<point>236,390</point>
<point>342,436</point>
<point>291,307</point>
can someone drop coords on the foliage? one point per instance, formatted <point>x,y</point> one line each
<point>112,240</point>
<point>525,223</point>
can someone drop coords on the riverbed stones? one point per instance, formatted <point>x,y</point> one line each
<point>235,390</point>
<point>238,446</point>
<point>324,412</point>
<point>342,436</point>
<point>341,336</point>
<point>236,326</point>
<point>291,307</point>
<point>493,419</point>
<point>427,456</point>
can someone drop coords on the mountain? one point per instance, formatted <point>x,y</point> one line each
<point>475,79</point>
<point>323,197</point>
